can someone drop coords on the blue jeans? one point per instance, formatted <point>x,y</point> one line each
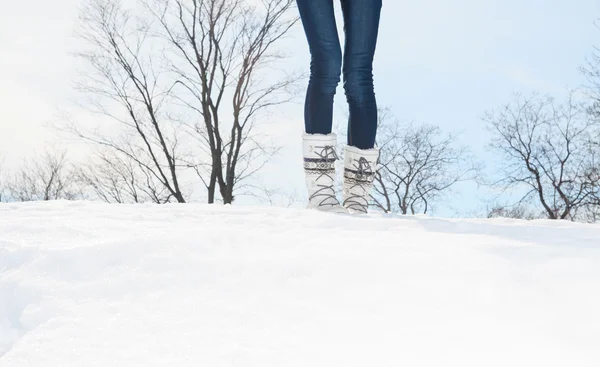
<point>361,25</point>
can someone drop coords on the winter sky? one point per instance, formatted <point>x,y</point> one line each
<point>438,61</point>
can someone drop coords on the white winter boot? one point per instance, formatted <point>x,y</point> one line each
<point>319,168</point>
<point>360,167</point>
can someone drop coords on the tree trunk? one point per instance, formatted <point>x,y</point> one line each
<point>212,187</point>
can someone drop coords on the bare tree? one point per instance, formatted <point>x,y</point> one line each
<point>219,52</point>
<point>43,178</point>
<point>418,166</point>
<point>519,211</point>
<point>548,150</point>
<point>171,70</point>
<point>126,85</point>
<point>272,196</point>
<point>116,178</point>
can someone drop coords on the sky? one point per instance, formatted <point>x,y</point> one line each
<point>437,61</point>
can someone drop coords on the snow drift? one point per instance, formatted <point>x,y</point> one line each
<point>90,284</point>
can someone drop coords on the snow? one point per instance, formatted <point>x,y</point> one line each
<point>91,284</point>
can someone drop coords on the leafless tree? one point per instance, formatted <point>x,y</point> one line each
<point>219,53</point>
<point>272,196</point>
<point>419,164</point>
<point>548,150</point>
<point>125,83</point>
<point>520,211</point>
<point>43,178</point>
<point>187,80</point>
<point>588,213</point>
<point>116,178</point>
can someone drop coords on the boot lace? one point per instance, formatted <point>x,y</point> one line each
<point>358,199</point>
<point>326,192</point>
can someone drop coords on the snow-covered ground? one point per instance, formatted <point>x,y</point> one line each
<point>90,284</point>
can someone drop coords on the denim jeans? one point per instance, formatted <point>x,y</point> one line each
<point>361,25</point>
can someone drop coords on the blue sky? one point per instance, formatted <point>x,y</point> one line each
<point>438,62</point>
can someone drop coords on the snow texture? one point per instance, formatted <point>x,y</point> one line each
<point>91,284</point>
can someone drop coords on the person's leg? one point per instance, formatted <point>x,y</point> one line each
<point>318,20</point>
<point>319,143</point>
<point>361,26</point>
